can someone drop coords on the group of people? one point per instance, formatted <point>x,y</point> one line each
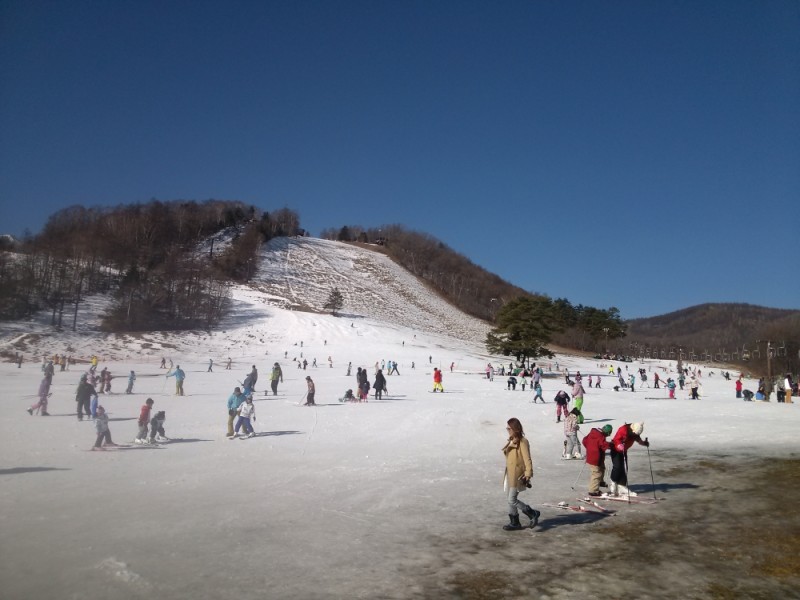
<point>518,473</point>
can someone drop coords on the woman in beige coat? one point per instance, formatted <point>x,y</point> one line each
<point>519,471</point>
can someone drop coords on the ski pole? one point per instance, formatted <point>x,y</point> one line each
<point>579,475</point>
<point>627,483</point>
<point>651,473</point>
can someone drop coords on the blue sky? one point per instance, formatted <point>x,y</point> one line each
<point>644,155</point>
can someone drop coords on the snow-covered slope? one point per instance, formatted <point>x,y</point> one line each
<point>295,275</point>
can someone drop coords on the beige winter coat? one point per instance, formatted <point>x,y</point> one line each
<point>518,463</point>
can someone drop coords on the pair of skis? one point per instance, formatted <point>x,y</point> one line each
<point>592,508</point>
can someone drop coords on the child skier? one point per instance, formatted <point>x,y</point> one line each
<point>247,411</point>
<point>131,379</point>
<point>103,432</point>
<point>157,433</point>
<point>44,393</point>
<point>571,427</point>
<point>537,387</point>
<point>144,419</point>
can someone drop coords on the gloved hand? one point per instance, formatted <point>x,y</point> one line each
<point>646,443</point>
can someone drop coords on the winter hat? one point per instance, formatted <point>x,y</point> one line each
<point>607,429</point>
<point>637,428</point>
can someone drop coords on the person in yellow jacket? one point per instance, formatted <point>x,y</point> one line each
<point>519,471</point>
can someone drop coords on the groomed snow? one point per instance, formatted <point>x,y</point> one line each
<point>334,501</point>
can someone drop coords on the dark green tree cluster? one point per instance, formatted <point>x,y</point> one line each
<point>151,257</point>
<point>524,328</point>
<point>335,301</point>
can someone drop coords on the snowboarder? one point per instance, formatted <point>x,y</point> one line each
<point>518,474</point>
<point>275,377</point>
<point>596,446</point>
<point>622,441</point>
<point>144,420</point>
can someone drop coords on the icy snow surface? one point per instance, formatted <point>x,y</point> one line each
<point>373,500</point>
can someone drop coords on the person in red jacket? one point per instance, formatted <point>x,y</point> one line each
<point>596,445</point>
<point>624,439</point>
<point>144,419</point>
<point>437,380</point>
<point>738,388</point>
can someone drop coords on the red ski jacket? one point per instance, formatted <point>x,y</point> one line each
<point>596,445</point>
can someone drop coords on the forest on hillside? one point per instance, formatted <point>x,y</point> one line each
<point>144,255</point>
<point>479,293</point>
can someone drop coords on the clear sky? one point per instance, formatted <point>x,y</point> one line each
<point>644,155</point>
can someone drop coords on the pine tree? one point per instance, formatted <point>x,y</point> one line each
<point>335,301</point>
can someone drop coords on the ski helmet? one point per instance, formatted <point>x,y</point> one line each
<point>607,429</point>
<point>637,428</point>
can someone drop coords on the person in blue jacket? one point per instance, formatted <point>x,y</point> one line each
<point>179,376</point>
<point>234,402</point>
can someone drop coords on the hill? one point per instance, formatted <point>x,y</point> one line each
<point>723,332</point>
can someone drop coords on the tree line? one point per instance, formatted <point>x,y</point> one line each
<point>149,257</point>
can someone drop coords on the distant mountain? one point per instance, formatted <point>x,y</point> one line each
<point>718,329</point>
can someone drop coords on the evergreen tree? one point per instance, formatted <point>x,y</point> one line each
<point>335,301</point>
<point>524,327</point>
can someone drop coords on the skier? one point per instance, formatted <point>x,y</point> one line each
<point>247,411</point>
<point>179,376</point>
<point>571,427</point>
<point>538,389</point>
<point>131,379</point>
<point>577,396</point>
<point>144,420</point>
<point>437,380</point>
<point>44,393</point>
<point>518,474</point>
<point>235,400</point>
<point>379,385</point>
<point>311,392</point>
<point>394,370</point>
<point>596,446</point>
<point>511,383</point>
<point>228,365</point>
<point>163,363</point>
<point>656,381</point>
<point>275,377</point>
<point>254,375</point>
<point>561,400</point>
<point>349,368</point>
<point>633,380</point>
<point>671,387</point>
<point>622,441</point>
<point>210,365</point>
<point>694,385</point>
<point>157,433</point>
<point>103,432</point>
<point>738,388</point>
<point>84,392</point>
